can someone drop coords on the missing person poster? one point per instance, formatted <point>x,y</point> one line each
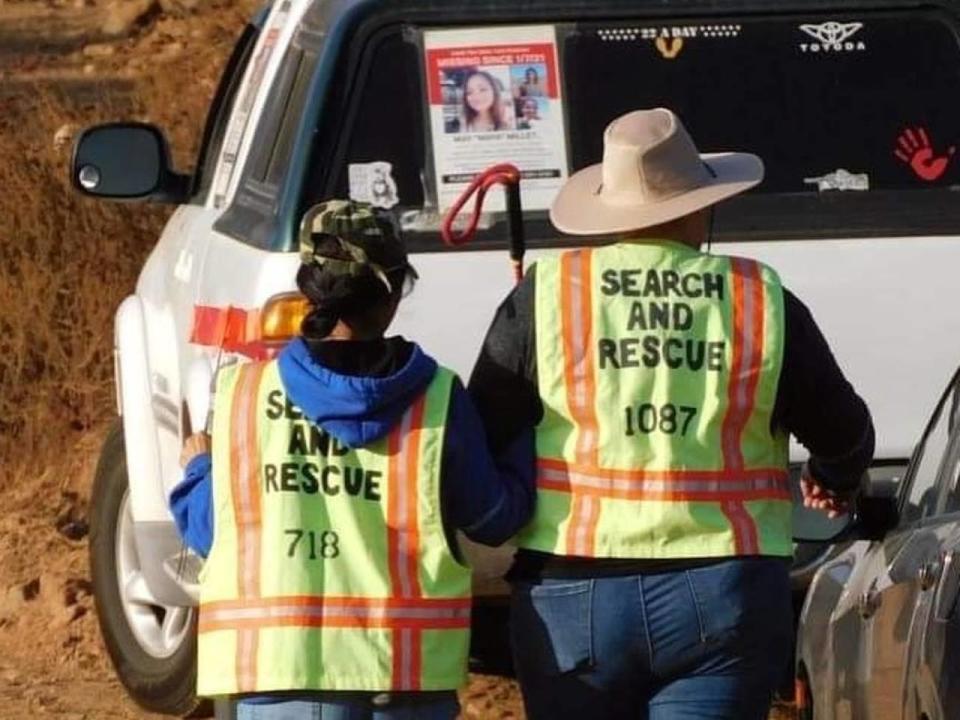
<point>495,97</point>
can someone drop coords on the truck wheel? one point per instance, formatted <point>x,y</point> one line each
<point>153,647</point>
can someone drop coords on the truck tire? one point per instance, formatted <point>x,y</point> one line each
<point>161,681</point>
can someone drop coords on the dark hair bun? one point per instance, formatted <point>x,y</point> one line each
<point>335,296</point>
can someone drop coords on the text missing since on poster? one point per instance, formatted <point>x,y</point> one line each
<point>661,318</point>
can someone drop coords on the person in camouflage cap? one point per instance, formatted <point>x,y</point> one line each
<point>362,391</point>
<point>369,237</point>
<point>354,268</point>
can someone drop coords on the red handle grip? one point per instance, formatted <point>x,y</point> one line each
<point>503,174</point>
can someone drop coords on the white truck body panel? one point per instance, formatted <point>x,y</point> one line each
<point>139,420</point>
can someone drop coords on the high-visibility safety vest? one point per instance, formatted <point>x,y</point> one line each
<point>658,369</point>
<point>329,568</point>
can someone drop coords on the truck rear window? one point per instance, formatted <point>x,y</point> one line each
<point>810,96</point>
<point>857,117</point>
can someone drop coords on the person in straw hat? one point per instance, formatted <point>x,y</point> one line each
<point>650,388</point>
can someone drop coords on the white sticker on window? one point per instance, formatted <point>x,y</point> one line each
<point>495,97</point>
<point>840,180</point>
<point>832,37</point>
<point>373,183</point>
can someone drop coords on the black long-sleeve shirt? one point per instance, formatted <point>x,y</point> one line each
<point>815,403</point>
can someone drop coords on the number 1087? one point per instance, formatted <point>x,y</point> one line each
<point>668,419</point>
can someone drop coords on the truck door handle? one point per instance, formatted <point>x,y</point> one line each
<point>929,573</point>
<point>869,602</point>
<point>946,597</point>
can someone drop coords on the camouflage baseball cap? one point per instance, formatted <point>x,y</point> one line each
<point>370,237</point>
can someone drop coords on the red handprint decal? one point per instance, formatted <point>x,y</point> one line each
<point>914,149</point>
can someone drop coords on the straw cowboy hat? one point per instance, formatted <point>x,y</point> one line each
<point>651,173</point>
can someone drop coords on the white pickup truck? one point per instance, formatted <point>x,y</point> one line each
<point>855,107</point>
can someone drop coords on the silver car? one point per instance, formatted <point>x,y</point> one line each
<point>879,634</point>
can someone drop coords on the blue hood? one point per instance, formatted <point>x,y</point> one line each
<point>355,410</point>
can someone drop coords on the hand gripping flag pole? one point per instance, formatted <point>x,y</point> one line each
<point>504,174</point>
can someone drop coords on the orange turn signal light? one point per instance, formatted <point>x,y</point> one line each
<point>282,316</point>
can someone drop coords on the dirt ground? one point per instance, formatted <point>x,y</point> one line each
<point>65,263</point>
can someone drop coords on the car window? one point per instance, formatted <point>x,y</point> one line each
<point>221,107</point>
<point>830,93</point>
<point>950,495</point>
<point>929,457</point>
<point>252,217</point>
<point>387,125</point>
<point>849,137</point>
<point>273,141</point>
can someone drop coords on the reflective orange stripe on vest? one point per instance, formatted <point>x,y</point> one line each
<point>748,313</point>
<point>692,485</point>
<point>403,541</point>
<point>406,611</point>
<point>587,482</point>
<point>353,612</point>
<point>576,305</point>
<point>244,476</point>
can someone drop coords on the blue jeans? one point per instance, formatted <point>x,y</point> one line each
<point>704,643</point>
<point>355,706</point>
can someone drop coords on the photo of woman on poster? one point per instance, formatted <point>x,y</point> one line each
<point>483,108</point>
<point>531,84</point>
<point>528,115</point>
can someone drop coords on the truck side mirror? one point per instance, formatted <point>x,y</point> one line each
<point>127,161</point>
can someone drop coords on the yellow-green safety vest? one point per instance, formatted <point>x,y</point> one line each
<point>330,569</point>
<point>658,369</point>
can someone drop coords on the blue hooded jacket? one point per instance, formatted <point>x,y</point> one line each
<point>488,502</point>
